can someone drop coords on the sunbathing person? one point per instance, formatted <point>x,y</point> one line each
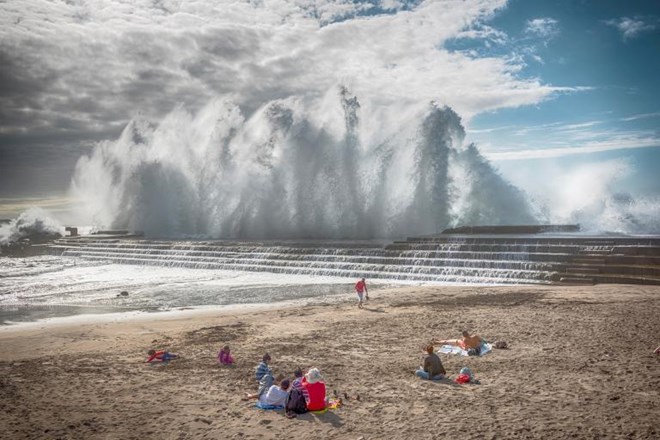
<point>432,369</point>
<point>161,356</point>
<point>467,342</point>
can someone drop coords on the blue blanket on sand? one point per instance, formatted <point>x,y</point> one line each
<point>452,349</point>
<point>263,406</point>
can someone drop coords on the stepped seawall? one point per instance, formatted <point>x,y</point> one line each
<point>456,258</point>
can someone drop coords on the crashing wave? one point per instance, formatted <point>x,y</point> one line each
<point>34,224</point>
<point>294,170</point>
<point>620,213</point>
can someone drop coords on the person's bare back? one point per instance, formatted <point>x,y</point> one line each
<point>467,342</point>
<point>471,341</point>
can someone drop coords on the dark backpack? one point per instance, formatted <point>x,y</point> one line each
<point>295,403</point>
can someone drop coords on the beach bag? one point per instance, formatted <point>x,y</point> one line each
<point>463,378</point>
<point>296,402</point>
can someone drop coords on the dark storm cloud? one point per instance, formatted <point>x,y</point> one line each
<point>17,80</point>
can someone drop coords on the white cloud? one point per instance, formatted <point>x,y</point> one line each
<point>641,116</point>
<point>632,27</point>
<point>95,64</point>
<point>621,142</point>
<point>484,32</point>
<point>542,27</point>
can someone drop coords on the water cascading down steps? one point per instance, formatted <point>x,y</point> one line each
<point>455,258</point>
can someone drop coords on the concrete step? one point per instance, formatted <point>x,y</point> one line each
<point>594,252</point>
<point>577,280</point>
<point>583,270</point>
<point>588,260</point>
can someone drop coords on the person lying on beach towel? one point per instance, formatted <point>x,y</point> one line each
<point>467,342</point>
<point>160,356</point>
<point>225,357</point>
<point>484,349</point>
<point>432,368</point>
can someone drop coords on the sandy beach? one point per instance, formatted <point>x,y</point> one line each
<point>580,364</point>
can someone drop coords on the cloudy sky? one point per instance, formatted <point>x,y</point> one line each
<point>547,89</point>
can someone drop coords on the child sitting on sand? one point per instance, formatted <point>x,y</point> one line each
<point>225,357</point>
<point>262,368</point>
<point>161,356</point>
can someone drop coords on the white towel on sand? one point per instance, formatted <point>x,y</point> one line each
<point>452,349</point>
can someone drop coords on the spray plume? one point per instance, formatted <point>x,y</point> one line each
<point>294,170</point>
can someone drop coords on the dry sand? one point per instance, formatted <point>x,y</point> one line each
<point>580,365</point>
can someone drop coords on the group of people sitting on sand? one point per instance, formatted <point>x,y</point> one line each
<point>306,392</point>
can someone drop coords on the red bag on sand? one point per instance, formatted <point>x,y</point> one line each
<point>463,378</point>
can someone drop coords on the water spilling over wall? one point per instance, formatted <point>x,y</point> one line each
<point>293,170</point>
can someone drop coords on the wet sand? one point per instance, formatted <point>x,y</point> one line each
<point>580,364</point>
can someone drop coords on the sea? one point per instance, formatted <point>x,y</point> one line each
<point>52,288</point>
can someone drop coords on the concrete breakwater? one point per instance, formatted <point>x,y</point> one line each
<point>510,259</point>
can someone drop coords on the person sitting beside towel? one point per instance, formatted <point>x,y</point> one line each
<point>432,368</point>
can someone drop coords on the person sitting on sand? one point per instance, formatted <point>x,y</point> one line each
<point>263,368</point>
<point>297,383</point>
<point>313,384</point>
<point>276,394</point>
<point>264,385</point>
<point>161,356</point>
<point>432,368</point>
<point>467,342</point>
<point>225,357</point>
